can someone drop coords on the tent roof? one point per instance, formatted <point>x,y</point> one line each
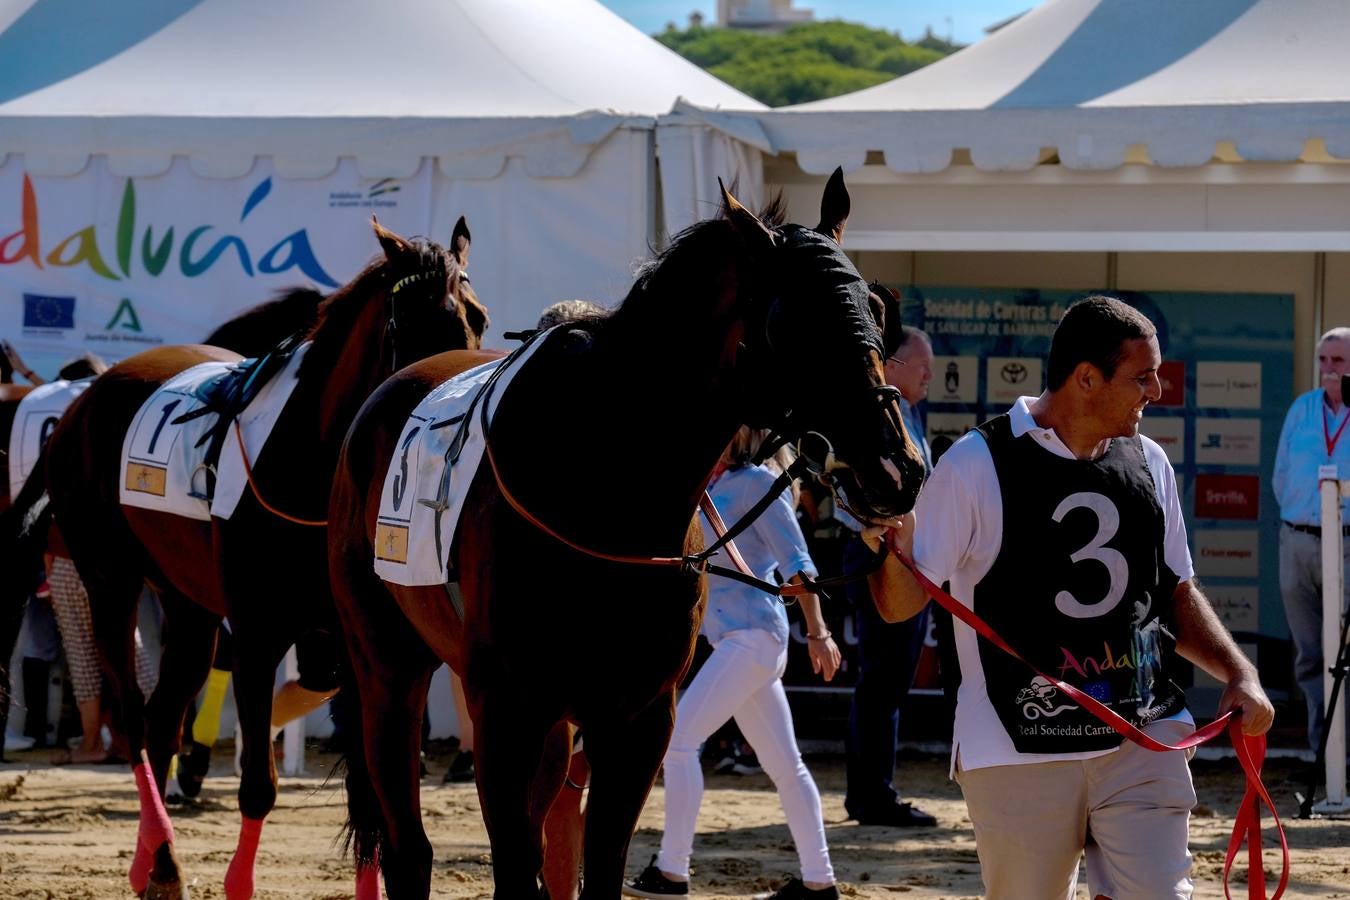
<point>1091,78</point>
<point>387,82</point>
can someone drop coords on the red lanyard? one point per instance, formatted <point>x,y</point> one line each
<point>1326,431</point>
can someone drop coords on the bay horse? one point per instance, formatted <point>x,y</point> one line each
<point>607,436</point>
<point>250,334</point>
<point>265,567</point>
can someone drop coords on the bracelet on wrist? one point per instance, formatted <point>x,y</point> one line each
<point>818,637</point>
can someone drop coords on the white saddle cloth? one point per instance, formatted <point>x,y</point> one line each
<point>406,549</point>
<point>161,462</point>
<point>37,414</point>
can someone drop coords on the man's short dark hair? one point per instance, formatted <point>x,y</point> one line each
<point>1094,330</point>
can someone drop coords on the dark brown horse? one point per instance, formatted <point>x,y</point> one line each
<point>250,334</point>
<point>266,572</point>
<point>607,436</point>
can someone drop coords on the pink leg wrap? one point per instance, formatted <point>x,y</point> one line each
<point>155,827</point>
<point>239,877</point>
<point>368,882</point>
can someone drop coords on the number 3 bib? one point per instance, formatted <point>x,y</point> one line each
<point>1081,589</point>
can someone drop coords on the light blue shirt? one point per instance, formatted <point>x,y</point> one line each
<point>773,542</point>
<point>1303,449</point>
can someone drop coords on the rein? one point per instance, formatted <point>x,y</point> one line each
<point>1250,749</point>
<point>253,485</point>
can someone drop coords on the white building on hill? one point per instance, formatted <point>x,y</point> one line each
<point>760,15</point>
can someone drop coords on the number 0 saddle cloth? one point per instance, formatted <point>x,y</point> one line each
<point>37,414</point>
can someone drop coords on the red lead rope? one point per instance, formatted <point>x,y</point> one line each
<point>1250,750</point>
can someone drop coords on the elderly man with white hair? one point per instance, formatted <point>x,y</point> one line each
<point>1314,435</point>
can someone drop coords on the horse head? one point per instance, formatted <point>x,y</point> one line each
<point>811,362</point>
<point>431,305</point>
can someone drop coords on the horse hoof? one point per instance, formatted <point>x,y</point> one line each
<point>172,890</point>
<point>192,768</point>
<point>166,880</point>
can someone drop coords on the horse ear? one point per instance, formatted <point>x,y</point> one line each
<point>747,224</point>
<point>459,242</point>
<point>392,244</point>
<point>834,207</point>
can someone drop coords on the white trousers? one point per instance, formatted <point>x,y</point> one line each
<point>741,679</point>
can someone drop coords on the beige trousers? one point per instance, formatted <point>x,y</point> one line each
<point>1129,811</point>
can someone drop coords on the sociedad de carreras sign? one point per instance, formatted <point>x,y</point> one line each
<point>147,248</point>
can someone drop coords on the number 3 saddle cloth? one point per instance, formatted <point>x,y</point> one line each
<point>434,463</point>
<point>165,452</point>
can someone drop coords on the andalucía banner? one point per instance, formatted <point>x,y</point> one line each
<point>115,265</point>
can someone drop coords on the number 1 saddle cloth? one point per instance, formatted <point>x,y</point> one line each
<point>37,414</point>
<point>164,457</point>
<point>435,460</point>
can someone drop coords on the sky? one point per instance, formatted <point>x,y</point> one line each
<point>962,20</point>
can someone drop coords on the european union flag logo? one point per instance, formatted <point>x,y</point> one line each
<point>41,311</point>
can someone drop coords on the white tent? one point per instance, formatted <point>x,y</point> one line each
<point>265,133</point>
<point>1092,125</point>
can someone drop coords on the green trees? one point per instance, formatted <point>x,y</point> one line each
<point>806,62</point>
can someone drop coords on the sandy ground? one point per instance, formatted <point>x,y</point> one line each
<point>66,834</point>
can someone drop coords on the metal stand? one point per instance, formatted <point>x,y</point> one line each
<point>1335,627</point>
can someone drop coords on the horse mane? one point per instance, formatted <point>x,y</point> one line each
<point>708,244</point>
<point>255,331</point>
<point>339,312</point>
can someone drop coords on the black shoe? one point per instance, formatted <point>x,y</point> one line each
<point>461,768</point>
<point>651,883</point>
<point>898,815</point>
<point>747,763</point>
<point>193,764</point>
<point>795,890</point>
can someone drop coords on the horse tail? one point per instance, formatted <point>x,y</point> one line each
<point>351,574</point>
<point>23,538</point>
<point>363,834</point>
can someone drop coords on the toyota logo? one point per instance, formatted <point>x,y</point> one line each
<point>1013,373</point>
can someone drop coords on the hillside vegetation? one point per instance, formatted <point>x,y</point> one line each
<point>806,62</point>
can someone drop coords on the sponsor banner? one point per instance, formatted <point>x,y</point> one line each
<point>944,429</point>
<point>1228,385</point>
<point>1010,377</point>
<point>956,379</point>
<point>113,265</point>
<point>1172,376</point>
<point>1226,382</point>
<point>1227,496</point>
<point>1170,433</point>
<point>1231,553</point>
<point>1228,442</point>
<point>1237,605</point>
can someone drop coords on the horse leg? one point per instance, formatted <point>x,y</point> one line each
<point>392,706</point>
<point>113,598</point>
<point>564,820</point>
<point>507,754</point>
<point>255,665</point>
<point>624,760</point>
<point>188,641</point>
